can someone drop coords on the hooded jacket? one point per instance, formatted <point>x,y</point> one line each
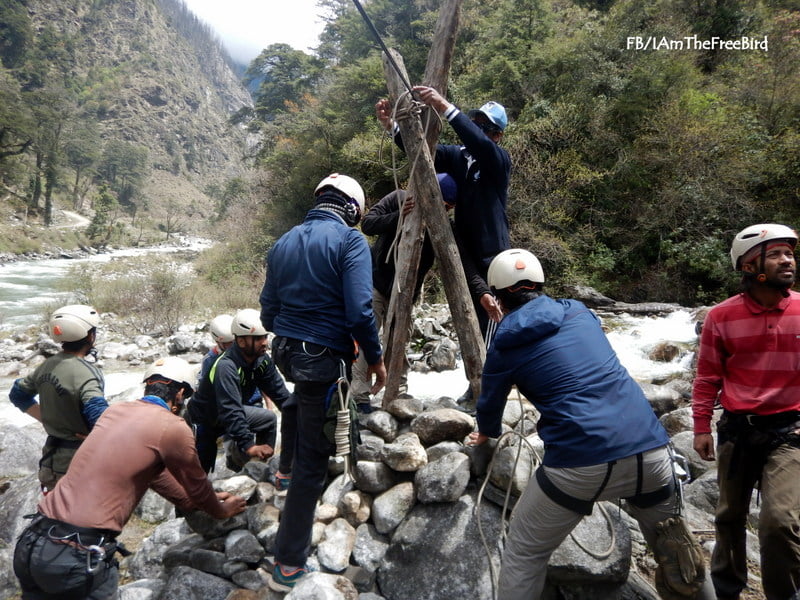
<point>557,355</point>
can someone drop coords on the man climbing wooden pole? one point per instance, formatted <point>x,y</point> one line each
<point>424,188</point>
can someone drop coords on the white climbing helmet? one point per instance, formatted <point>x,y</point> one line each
<point>347,186</point>
<point>247,322</point>
<point>750,237</point>
<point>220,328</point>
<point>512,266</point>
<point>175,369</point>
<point>72,323</point>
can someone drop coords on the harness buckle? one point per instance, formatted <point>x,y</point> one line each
<point>101,556</point>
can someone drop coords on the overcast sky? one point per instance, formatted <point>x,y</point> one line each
<point>246,27</point>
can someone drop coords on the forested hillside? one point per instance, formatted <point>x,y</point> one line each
<point>118,109</point>
<point>640,145</point>
<point>633,167</point>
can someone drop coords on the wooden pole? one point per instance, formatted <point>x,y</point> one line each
<point>409,249</point>
<point>425,189</point>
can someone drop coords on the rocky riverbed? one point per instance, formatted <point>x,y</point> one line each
<point>413,524</point>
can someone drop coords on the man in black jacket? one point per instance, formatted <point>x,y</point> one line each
<point>218,405</point>
<point>482,171</point>
<point>382,220</point>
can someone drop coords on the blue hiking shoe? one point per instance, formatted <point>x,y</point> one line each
<point>282,481</point>
<point>285,578</point>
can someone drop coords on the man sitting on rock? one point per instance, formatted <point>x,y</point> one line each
<point>219,404</point>
<point>68,550</point>
<point>602,439</point>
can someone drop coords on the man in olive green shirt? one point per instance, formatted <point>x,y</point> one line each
<point>70,390</point>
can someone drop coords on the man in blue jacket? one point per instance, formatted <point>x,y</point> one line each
<point>482,171</point>
<point>602,439</point>
<point>218,407</point>
<point>317,299</point>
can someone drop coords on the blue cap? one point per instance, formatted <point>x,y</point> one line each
<point>449,188</point>
<point>495,112</point>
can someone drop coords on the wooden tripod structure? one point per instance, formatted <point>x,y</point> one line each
<point>424,187</point>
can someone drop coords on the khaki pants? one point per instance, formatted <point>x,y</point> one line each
<point>778,524</point>
<point>359,387</point>
<point>539,525</point>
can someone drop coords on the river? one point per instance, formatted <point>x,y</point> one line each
<point>26,287</point>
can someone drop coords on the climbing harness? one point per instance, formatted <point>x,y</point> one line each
<point>535,467</point>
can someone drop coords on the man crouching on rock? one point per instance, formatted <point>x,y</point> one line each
<point>602,439</point>
<point>68,550</point>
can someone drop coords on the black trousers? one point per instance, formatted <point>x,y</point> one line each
<point>52,561</point>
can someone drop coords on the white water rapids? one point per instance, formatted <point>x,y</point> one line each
<point>27,287</point>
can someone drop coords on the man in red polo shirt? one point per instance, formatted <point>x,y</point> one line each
<point>749,360</point>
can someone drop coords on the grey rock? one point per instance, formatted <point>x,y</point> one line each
<point>326,513</point>
<point>677,421</point>
<point>370,547</point>
<point>154,508</point>
<point>256,470</point>
<point>187,583</point>
<point>703,492</point>
<point>208,561</point>
<point>436,553</point>
<point>21,448</point>
<point>443,355</point>
<point>266,537</point>
<point>241,545</point>
<point>180,343</point>
<point>179,554</point>
<point>446,424</point>
<point>336,546</point>
<point>382,424</point>
<point>147,562</point>
<point>251,579</point>
<point>239,485</point>
<point>443,480</point>
<point>356,507</point>
<point>231,567</point>
<point>261,516</point>
<point>370,447</point>
<point>209,527</point>
<point>323,586</point>
<point>441,449</point>
<point>144,589</point>
<point>522,455</point>
<point>18,499</point>
<point>374,477</point>
<point>336,490</point>
<point>405,408</point>
<point>390,508</point>
<point>405,454</point>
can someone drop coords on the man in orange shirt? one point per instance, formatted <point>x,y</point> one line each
<point>68,550</point>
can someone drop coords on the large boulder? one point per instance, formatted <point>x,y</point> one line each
<point>436,553</point>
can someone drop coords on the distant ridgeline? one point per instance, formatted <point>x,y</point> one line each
<point>128,98</point>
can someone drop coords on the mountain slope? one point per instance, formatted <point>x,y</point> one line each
<point>149,75</point>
